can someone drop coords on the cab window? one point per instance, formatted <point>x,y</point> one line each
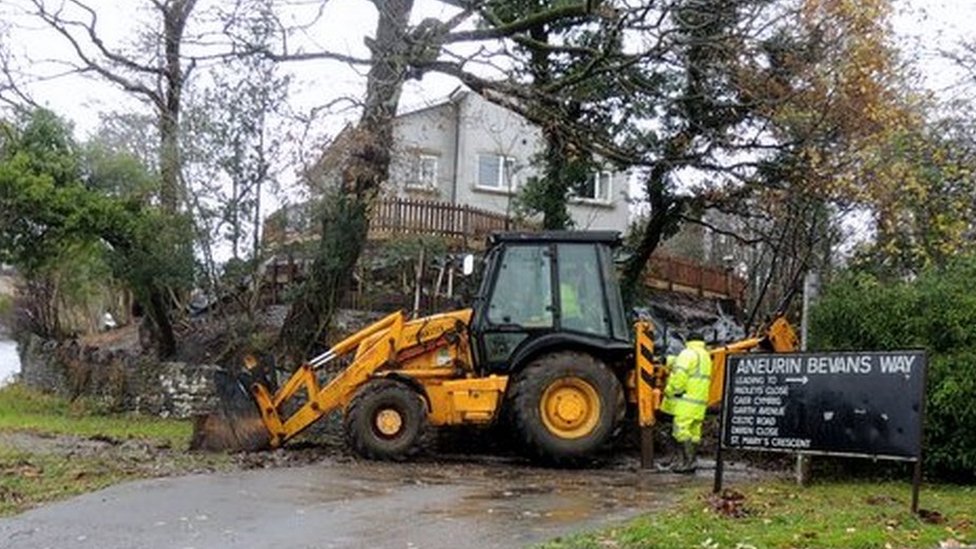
<point>581,299</point>
<point>523,289</point>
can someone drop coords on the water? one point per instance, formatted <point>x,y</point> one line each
<point>9,361</point>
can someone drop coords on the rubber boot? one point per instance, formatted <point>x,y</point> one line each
<point>689,462</point>
<point>676,456</point>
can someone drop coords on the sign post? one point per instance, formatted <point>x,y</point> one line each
<point>868,404</point>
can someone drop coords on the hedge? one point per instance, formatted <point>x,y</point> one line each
<point>935,311</point>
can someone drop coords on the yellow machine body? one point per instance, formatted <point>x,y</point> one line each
<point>433,354</point>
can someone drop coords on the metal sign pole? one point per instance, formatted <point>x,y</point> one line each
<point>811,286</point>
<point>917,473</point>
<point>719,458</point>
<point>916,484</point>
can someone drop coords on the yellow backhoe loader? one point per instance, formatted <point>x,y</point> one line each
<point>545,347</point>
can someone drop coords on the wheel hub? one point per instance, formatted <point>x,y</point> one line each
<point>570,408</point>
<point>389,422</point>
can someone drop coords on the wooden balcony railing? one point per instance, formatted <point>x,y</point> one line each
<point>470,227</point>
<point>403,216</point>
<point>396,216</point>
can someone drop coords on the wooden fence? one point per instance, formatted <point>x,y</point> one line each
<point>455,221</point>
<point>469,228</point>
<point>676,274</point>
<point>397,216</point>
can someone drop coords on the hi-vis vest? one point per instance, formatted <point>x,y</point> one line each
<point>686,393</point>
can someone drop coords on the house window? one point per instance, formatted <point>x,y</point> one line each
<point>597,187</point>
<point>423,173</point>
<point>495,172</point>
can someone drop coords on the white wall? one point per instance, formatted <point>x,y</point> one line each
<point>486,128</point>
<point>430,132</point>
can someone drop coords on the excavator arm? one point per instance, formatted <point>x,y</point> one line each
<point>376,353</point>
<point>252,415</point>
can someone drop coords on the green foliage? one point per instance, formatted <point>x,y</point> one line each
<point>55,206</point>
<point>407,249</point>
<point>779,515</point>
<point>561,56</point>
<point>562,180</point>
<point>935,312</point>
<point>117,172</point>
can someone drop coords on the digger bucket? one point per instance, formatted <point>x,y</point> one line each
<point>235,424</point>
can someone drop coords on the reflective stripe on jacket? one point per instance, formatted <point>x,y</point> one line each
<point>689,382</point>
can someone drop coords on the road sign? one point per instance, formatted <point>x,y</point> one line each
<point>855,404</point>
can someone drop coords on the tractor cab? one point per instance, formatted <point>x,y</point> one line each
<point>550,290</point>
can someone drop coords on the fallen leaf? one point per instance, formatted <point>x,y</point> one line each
<point>29,471</point>
<point>931,517</point>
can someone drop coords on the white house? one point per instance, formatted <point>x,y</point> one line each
<point>467,150</point>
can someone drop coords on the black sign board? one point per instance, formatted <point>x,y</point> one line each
<point>854,404</point>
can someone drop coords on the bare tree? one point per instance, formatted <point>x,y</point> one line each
<point>157,76</point>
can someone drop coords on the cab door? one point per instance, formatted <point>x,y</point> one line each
<point>516,304</point>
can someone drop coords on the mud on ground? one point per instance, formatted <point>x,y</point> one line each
<point>462,448</point>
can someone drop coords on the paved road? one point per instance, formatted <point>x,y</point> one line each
<point>343,505</point>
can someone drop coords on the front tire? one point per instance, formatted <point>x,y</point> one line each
<point>385,420</point>
<point>565,406</point>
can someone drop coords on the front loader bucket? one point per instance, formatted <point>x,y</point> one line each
<point>236,423</point>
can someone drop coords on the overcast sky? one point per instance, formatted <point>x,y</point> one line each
<point>924,28</point>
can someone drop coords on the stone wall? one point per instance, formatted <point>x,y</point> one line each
<point>119,380</point>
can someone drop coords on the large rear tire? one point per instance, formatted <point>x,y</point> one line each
<point>385,420</point>
<point>565,406</point>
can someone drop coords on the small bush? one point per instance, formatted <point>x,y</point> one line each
<point>935,312</point>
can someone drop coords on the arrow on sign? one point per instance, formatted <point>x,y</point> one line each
<point>802,380</point>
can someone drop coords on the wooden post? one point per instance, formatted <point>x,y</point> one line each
<point>450,280</point>
<point>647,447</point>
<point>810,285</point>
<point>418,282</point>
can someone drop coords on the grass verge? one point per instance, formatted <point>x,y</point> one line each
<point>29,479</point>
<point>51,448</point>
<point>23,409</point>
<point>841,514</point>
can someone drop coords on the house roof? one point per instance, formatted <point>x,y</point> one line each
<point>457,95</point>
<point>333,153</point>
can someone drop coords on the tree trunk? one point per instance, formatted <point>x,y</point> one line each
<point>555,183</point>
<point>345,215</point>
<point>159,315</point>
<point>665,215</point>
<point>175,16</point>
